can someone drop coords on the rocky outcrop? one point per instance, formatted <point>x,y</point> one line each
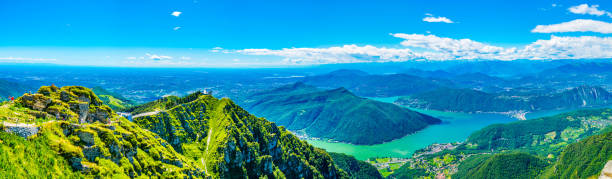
<point>94,140</point>
<point>23,130</point>
<point>606,172</point>
<point>68,103</point>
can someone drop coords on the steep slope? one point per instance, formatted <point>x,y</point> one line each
<point>73,123</point>
<point>500,166</point>
<point>113,100</point>
<point>34,158</point>
<point>357,169</point>
<point>227,141</point>
<point>585,159</point>
<point>468,100</point>
<point>336,114</point>
<point>364,84</point>
<point>164,103</point>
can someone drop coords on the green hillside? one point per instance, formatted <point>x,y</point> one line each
<point>73,128</point>
<point>164,103</point>
<point>493,151</point>
<point>113,100</point>
<point>227,141</point>
<point>500,166</point>
<point>547,134</point>
<point>469,100</point>
<point>69,133</point>
<point>586,158</point>
<point>336,114</point>
<point>357,169</point>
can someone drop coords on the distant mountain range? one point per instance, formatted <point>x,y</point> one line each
<point>364,84</point>
<point>468,100</point>
<point>336,114</point>
<point>14,89</point>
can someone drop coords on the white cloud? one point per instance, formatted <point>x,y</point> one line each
<point>176,13</point>
<point>583,47</point>
<point>578,25</point>
<point>440,48</point>
<point>590,10</point>
<point>185,58</point>
<point>217,49</point>
<point>158,57</point>
<point>342,54</point>
<point>25,59</point>
<point>431,18</point>
<point>176,28</point>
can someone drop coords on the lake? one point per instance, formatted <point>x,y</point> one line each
<point>456,127</point>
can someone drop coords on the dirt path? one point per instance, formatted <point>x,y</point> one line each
<point>207,144</point>
<point>146,114</point>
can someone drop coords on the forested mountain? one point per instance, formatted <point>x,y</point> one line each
<point>227,141</point>
<point>364,84</point>
<point>69,132</point>
<point>357,169</point>
<point>336,114</point>
<point>469,100</point>
<point>585,159</point>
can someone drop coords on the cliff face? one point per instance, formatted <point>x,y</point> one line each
<point>73,122</point>
<point>229,142</point>
<point>581,96</point>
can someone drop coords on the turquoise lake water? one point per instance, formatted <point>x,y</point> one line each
<point>456,127</point>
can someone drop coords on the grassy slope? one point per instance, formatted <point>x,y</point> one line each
<point>240,144</point>
<point>113,100</point>
<point>21,158</point>
<point>500,166</point>
<point>96,149</point>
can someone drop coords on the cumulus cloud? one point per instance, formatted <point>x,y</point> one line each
<point>578,25</point>
<point>431,18</point>
<point>176,13</point>
<point>176,28</point>
<point>441,48</point>
<point>590,10</point>
<point>341,54</point>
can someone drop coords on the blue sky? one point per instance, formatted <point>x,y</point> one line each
<point>146,33</point>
